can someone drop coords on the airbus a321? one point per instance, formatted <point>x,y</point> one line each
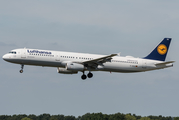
<point>72,63</point>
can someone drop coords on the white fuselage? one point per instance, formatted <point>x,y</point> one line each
<point>59,59</point>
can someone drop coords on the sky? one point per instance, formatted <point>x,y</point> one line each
<point>89,26</point>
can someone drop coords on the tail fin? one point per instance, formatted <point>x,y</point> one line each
<point>160,52</point>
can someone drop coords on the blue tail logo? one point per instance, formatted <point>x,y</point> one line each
<point>160,52</point>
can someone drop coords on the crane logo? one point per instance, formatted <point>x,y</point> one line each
<point>162,49</point>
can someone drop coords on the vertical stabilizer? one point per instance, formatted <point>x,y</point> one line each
<point>160,52</point>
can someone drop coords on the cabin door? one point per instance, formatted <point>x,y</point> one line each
<point>144,64</point>
<point>57,57</point>
<point>23,53</point>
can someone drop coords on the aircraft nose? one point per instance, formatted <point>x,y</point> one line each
<point>5,57</point>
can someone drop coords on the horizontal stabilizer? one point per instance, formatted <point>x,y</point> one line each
<point>164,63</point>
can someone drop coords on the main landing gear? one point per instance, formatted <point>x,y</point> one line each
<point>83,77</point>
<point>22,67</point>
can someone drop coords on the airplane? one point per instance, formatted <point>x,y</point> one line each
<point>72,63</point>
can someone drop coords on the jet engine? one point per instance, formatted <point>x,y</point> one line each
<point>65,71</point>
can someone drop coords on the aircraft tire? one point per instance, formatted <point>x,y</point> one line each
<point>83,77</point>
<point>21,71</point>
<point>90,75</point>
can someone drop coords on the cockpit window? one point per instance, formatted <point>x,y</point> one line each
<point>12,52</point>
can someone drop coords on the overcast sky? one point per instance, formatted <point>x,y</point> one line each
<point>132,27</point>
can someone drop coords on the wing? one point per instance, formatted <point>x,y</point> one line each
<point>99,61</point>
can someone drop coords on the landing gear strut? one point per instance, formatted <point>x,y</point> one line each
<point>83,76</point>
<point>22,67</point>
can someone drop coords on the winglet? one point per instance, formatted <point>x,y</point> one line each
<point>119,54</point>
<point>160,52</point>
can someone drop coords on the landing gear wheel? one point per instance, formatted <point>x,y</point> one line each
<point>22,67</point>
<point>83,77</point>
<point>90,75</point>
<point>21,71</point>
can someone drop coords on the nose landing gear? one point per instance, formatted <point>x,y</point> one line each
<point>22,67</point>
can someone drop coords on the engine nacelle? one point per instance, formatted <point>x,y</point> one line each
<point>65,71</point>
<point>64,63</point>
<point>100,67</point>
<point>75,67</point>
